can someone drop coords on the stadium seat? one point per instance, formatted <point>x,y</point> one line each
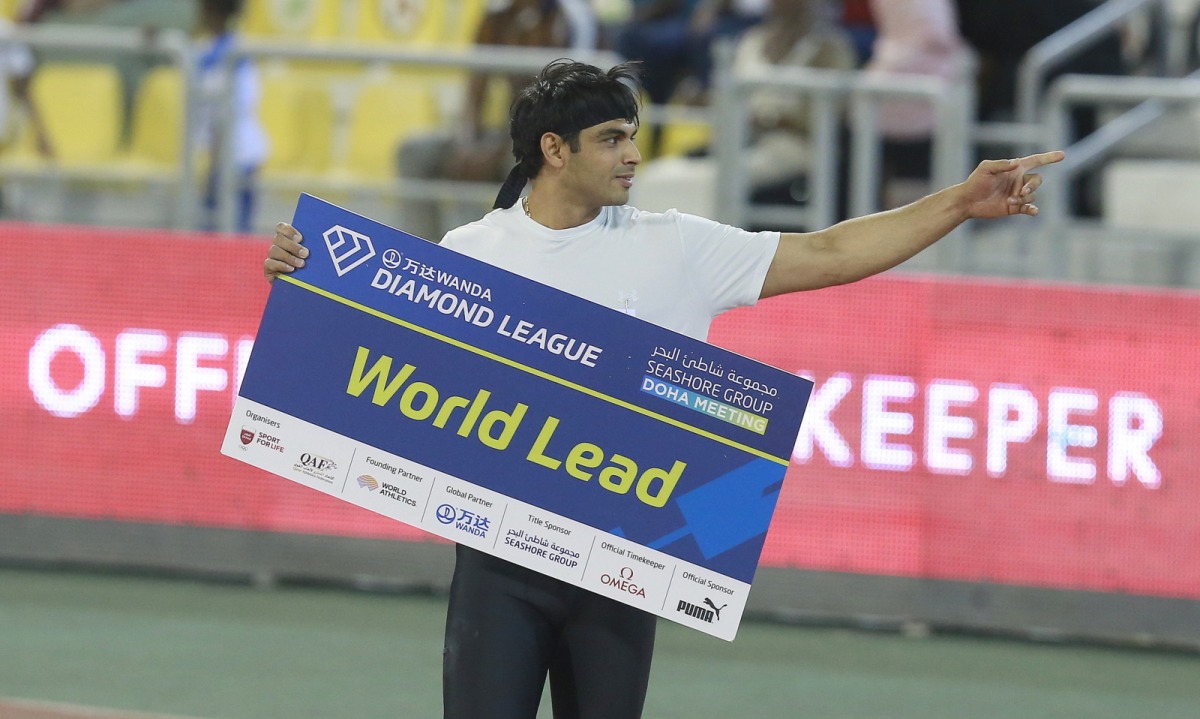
<point>497,103</point>
<point>297,114</point>
<point>386,112</point>
<point>156,134</point>
<point>420,22</point>
<point>306,19</point>
<point>83,111</point>
<point>462,21</point>
<point>94,175</point>
<point>680,138</point>
<point>1152,195</point>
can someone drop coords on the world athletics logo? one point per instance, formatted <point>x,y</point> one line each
<point>366,481</point>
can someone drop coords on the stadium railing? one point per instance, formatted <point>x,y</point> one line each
<point>834,96</point>
<point>1042,59</point>
<point>830,91</point>
<point>1151,98</point>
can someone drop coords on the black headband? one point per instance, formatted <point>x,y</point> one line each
<point>511,189</point>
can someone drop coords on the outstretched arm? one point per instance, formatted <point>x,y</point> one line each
<point>864,246</point>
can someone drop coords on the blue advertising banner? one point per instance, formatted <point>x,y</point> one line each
<point>526,422</point>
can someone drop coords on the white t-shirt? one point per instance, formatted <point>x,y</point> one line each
<point>676,270</point>
<point>250,143</point>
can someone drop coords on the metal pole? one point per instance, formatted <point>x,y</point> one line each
<point>185,198</point>
<point>865,155</point>
<point>824,173</point>
<point>224,158</point>
<point>729,202</point>
<point>950,163</point>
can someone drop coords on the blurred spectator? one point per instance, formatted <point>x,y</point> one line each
<point>34,10</point>
<point>778,158</point>
<point>794,33</point>
<point>1003,31</point>
<point>16,69</point>
<point>250,145</point>
<point>915,37</point>
<point>20,62</point>
<point>857,20</point>
<point>481,152</point>
<point>673,41</point>
<point>475,150</point>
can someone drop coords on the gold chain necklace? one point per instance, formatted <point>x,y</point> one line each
<point>525,206</point>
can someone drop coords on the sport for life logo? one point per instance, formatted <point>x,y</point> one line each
<point>347,248</point>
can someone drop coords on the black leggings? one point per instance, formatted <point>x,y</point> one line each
<point>507,627</point>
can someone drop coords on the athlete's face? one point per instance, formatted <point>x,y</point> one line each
<point>601,172</point>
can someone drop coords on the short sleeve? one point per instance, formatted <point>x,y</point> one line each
<point>728,264</point>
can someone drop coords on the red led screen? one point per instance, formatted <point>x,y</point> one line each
<point>985,431</point>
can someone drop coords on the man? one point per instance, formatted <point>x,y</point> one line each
<point>573,137</point>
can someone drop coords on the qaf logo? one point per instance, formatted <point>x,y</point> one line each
<point>348,249</point>
<point>316,466</point>
<point>321,464</point>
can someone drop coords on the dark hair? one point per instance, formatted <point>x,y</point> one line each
<point>565,98</point>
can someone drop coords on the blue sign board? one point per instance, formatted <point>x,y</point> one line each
<point>516,418</point>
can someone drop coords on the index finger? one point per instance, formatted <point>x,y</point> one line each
<point>1042,158</point>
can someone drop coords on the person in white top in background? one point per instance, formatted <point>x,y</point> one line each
<point>250,143</point>
<point>914,37</point>
<point>16,64</point>
<point>573,129</point>
<point>794,33</point>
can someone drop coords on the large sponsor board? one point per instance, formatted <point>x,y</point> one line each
<point>950,433</point>
<point>542,427</point>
